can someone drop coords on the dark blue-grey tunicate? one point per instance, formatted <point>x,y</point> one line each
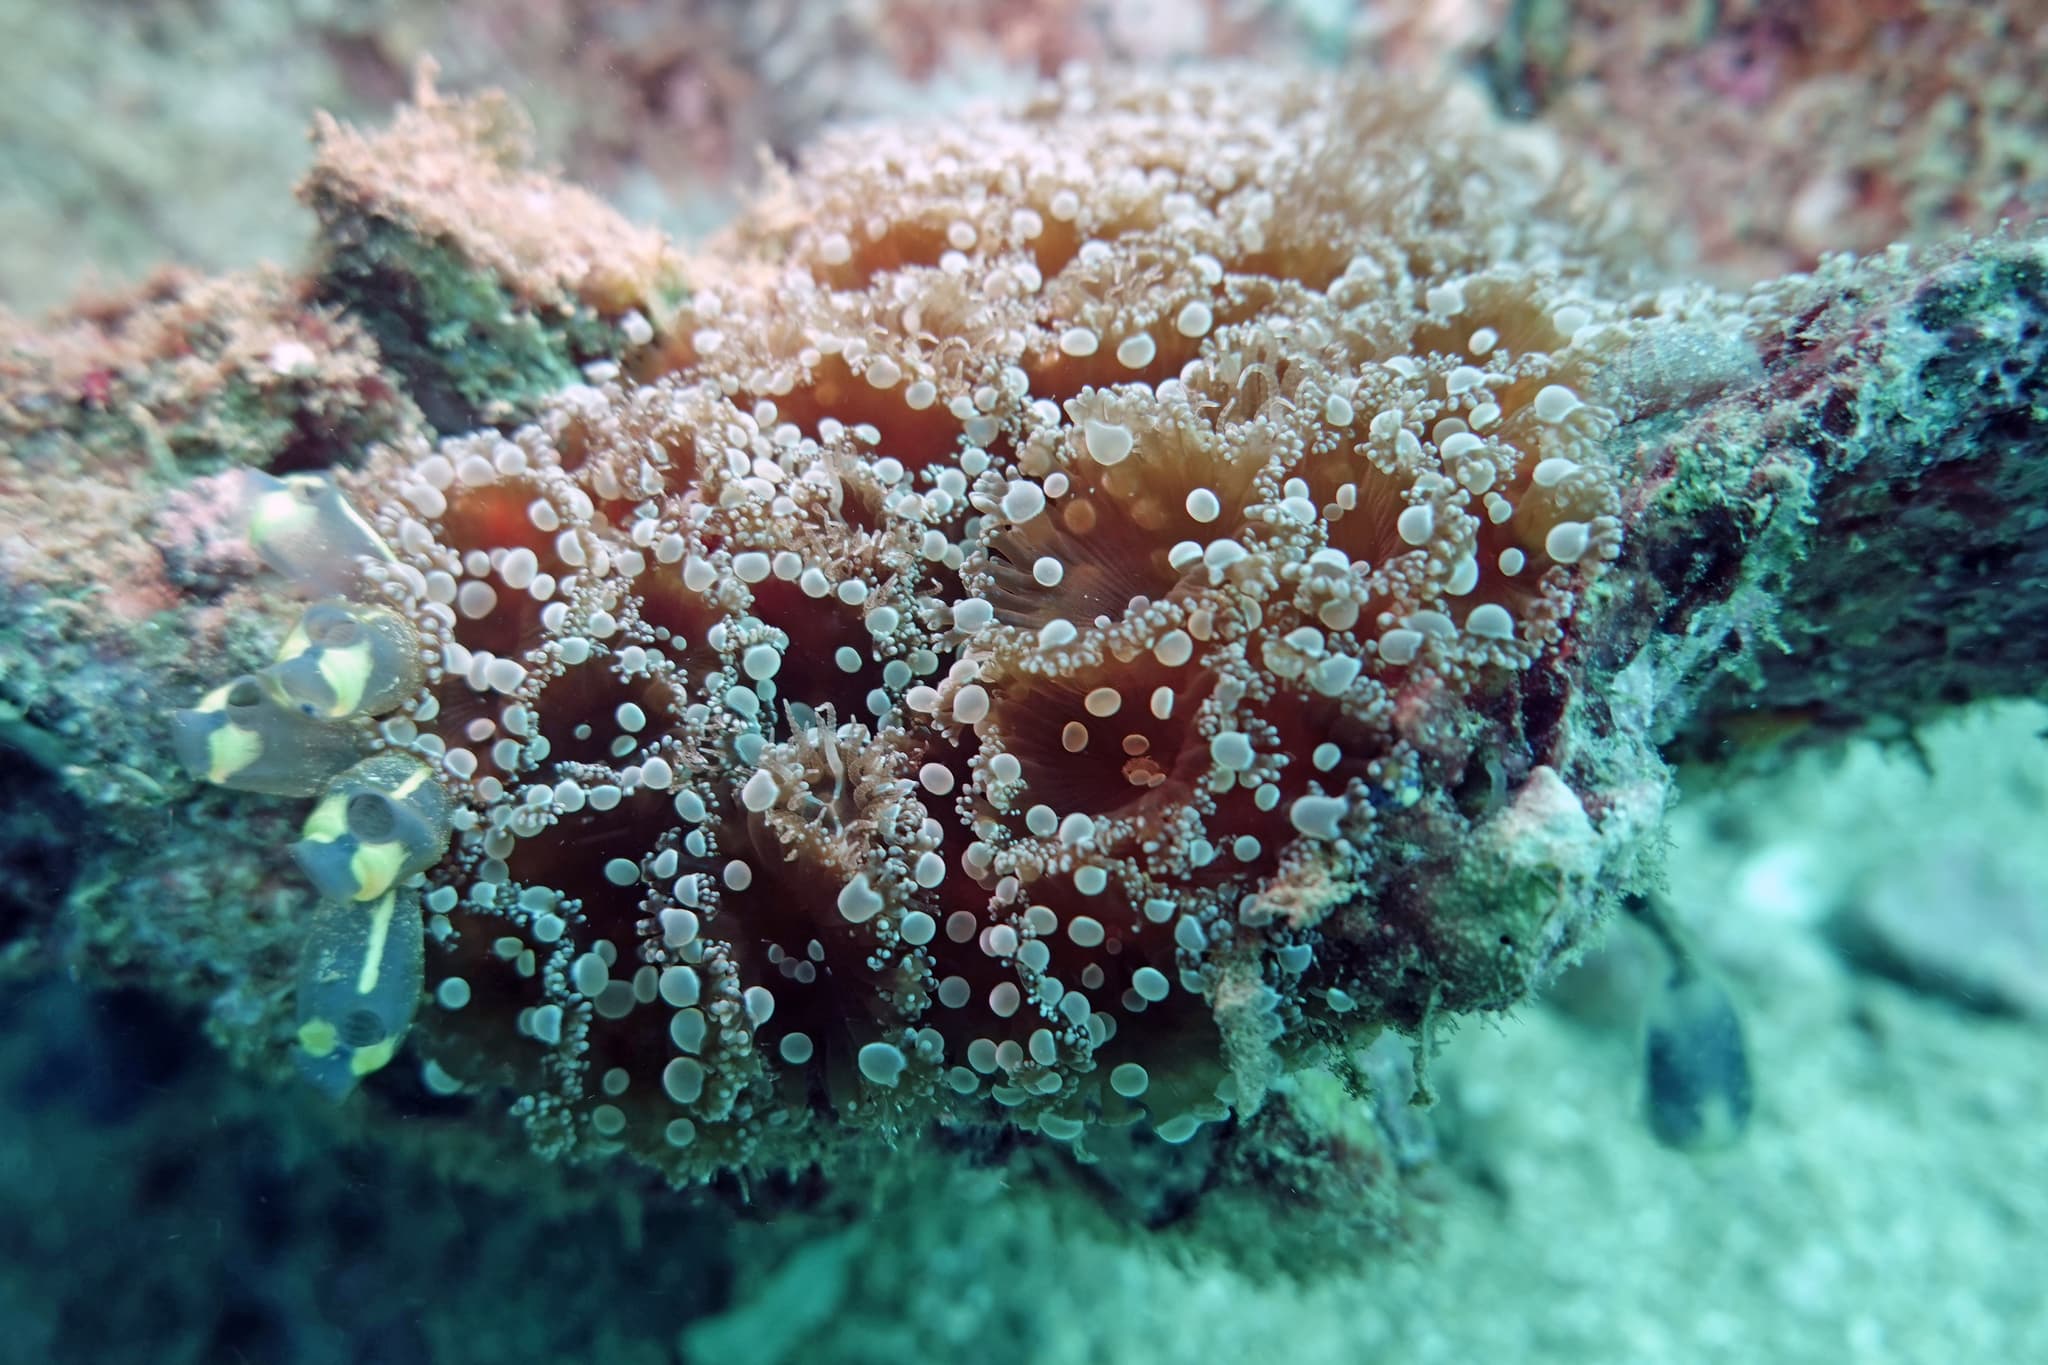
<point>1698,1092</point>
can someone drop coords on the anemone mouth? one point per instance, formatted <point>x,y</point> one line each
<point>495,609</point>
<point>1115,742</point>
<point>1512,309</point>
<point>507,514</point>
<point>591,715</point>
<point>1109,539</point>
<point>910,423</point>
<point>575,853</point>
<point>1099,575</point>
<point>832,664</point>
<point>1362,505</point>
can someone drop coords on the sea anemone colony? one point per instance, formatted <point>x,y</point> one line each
<point>983,658</point>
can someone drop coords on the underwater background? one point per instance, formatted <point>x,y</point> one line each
<point>1863,885</point>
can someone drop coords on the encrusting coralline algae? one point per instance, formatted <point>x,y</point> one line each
<point>998,652</point>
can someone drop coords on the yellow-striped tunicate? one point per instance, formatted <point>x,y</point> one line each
<point>305,529</point>
<point>380,822</point>
<point>247,735</point>
<point>359,985</point>
<point>342,660</point>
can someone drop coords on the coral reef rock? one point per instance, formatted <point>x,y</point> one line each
<point>989,654</point>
